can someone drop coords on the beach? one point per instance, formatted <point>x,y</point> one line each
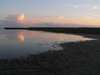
<point>49,37</point>
<point>76,58</point>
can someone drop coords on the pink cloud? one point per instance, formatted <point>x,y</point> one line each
<point>52,17</point>
<point>62,17</point>
<point>29,22</point>
<point>16,20</point>
<point>95,7</point>
<point>85,17</point>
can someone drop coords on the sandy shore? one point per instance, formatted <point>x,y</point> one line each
<point>76,58</point>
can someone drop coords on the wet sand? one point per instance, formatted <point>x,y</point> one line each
<point>76,58</point>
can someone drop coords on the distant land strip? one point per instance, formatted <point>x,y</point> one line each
<point>85,30</point>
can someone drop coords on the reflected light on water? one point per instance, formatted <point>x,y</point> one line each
<point>20,37</point>
<point>29,33</point>
<point>32,42</point>
<point>84,39</point>
<point>60,38</point>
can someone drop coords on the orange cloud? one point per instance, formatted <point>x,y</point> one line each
<point>62,17</point>
<point>16,20</point>
<point>20,17</point>
<point>95,15</point>
<point>29,22</point>
<point>85,17</point>
<point>75,6</point>
<point>26,22</point>
<point>95,7</point>
<point>52,17</point>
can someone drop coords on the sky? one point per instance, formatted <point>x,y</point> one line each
<point>47,13</point>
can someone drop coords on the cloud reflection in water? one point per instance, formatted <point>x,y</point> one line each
<point>16,34</point>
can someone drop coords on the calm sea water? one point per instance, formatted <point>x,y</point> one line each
<point>16,43</point>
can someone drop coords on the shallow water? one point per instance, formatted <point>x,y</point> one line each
<point>16,43</point>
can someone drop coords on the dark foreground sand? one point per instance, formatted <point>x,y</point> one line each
<point>80,58</point>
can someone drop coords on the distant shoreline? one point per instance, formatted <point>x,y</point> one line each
<point>85,30</point>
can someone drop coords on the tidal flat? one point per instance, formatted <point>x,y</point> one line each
<point>76,58</point>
